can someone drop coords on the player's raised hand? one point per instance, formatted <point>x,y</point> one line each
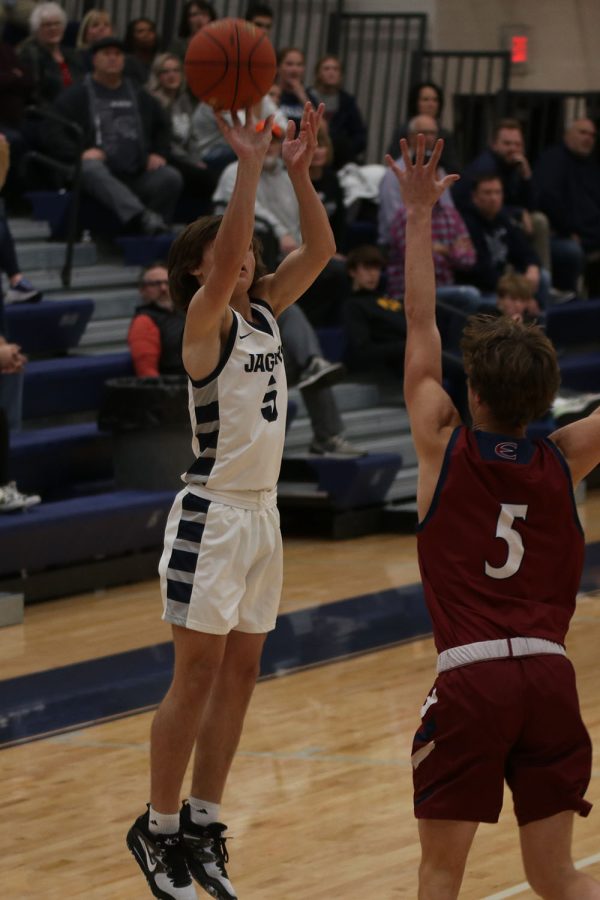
<point>298,149</point>
<point>246,141</point>
<point>418,181</point>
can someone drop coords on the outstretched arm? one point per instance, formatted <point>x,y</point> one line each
<point>208,313</point>
<point>432,413</point>
<point>300,268</point>
<point>579,443</point>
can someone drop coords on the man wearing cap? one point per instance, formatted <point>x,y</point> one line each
<point>126,138</point>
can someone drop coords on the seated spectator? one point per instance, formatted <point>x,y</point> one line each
<point>95,25</point>
<point>167,84</point>
<point>505,157</point>
<point>290,77</point>
<point>11,498</point>
<point>374,324</point>
<point>261,15</point>
<point>16,89</point>
<point>53,66</point>
<point>20,289</point>
<point>427,99</point>
<point>195,14</point>
<point>156,330</point>
<point>15,14</point>
<point>276,209</point>
<point>567,189</point>
<point>323,300</point>
<point>142,43</point>
<point>126,140</point>
<point>390,198</point>
<point>346,125</point>
<point>453,252</point>
<point>514,298</point>
<point>499,243</point>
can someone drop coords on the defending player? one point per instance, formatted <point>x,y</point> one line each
<point>221,568</point>
<point>501,554</point>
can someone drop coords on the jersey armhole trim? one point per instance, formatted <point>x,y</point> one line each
<point>224,356</point>
<point>441,478</point>
<point>264,303</point>
<point>557,452</point>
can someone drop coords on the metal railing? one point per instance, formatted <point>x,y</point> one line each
<point>376,50</point>
<point>475,86</point>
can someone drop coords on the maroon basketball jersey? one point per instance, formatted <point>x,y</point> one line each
<point>501,548</point>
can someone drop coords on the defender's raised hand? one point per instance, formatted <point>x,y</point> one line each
<point>246,142</point>
<point>298,149</point>
<point>418,181</point>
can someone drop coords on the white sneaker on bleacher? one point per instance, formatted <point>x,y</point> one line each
<point>12,499</point>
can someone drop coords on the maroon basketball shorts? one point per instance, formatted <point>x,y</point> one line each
<point>516,719</point>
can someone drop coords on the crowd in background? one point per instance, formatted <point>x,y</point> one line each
<point>151,154</point>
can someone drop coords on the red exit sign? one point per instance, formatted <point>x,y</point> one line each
<point>519,48</point>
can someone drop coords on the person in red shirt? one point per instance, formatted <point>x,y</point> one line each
<point>501,553</point>
<point>156,330</point>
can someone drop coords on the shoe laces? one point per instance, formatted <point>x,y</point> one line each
<point>218,845</point>
<point>171,855</point>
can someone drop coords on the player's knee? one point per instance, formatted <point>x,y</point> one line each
<point>440,878</point>
<point>551,882</point>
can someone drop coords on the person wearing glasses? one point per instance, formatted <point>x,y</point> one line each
<point>156,330</point>
<point>54,67</point>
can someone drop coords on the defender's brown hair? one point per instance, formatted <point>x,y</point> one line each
<point>187,251</point>
<point>512,366</point>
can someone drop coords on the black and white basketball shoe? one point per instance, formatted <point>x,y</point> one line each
<point>161,858</point>
<point>206,855</point>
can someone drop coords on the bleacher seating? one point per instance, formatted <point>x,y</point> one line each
<point>48,327</point>
<point>71,384</point>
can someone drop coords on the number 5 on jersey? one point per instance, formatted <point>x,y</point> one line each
<point>504,530</point>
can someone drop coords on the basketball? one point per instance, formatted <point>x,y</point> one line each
<point>230,64</point>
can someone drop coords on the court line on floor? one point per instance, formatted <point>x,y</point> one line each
<point>521,888</point>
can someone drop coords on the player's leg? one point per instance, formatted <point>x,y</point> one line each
<point>445,845</point>
<point>155,838</point>
<point>218,738</point>
<point>546,849</point>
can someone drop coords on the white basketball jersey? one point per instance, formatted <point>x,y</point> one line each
<point>238,413</point>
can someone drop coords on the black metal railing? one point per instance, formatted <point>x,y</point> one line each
<point>376,50</point>
<point>475,86</point>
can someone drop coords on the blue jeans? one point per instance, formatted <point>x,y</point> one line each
<point>568,261</point>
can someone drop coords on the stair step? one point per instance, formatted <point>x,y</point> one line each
<point>105,331</point>
<point>36,255</point>
<point>102,275</point>
<point>28,230</point>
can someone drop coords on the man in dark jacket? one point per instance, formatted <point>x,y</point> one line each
<point>126,138</point>
<point>156,330</point>
<point>567,189</point>
<point>499,243</point>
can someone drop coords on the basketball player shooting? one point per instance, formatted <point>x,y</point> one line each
<point>501,553</point>
<point>221,569</point>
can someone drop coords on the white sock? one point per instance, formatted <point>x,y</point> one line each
<point>163,823</point>
<point>202,812</point>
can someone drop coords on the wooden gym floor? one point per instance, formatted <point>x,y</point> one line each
<point>319,798</point>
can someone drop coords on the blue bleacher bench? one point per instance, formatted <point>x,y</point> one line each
<point>48,327</point>
<point>70,384</point>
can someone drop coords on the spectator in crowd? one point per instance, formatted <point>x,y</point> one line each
<point>16,88</point>
<point>499,243</point>
<point>346,125</point>
<point>322,302</point>
<point>20,289</point>
<point>16,13</point>
<point>261,15</point>
<point>505,157</point>
<point>390,198</point>
<point>277,211</point>
<point>95,25</point>
<point>54,67</point>
<point>167,84</point>
<point>142,43</point>
<point>374,324</point>
<point>126,140</point>
<point>427,99</point>
<point>290,77</point>
<point>156,330</point>
<point>453,253</point>
<point>514,298</point>
<point>567,189</point>
<point>195,14</point>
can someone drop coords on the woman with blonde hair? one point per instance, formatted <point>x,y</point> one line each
<point>167,84</point>
<point>95,25</point>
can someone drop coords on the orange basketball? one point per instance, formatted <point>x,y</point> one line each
<point>230,64</point>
